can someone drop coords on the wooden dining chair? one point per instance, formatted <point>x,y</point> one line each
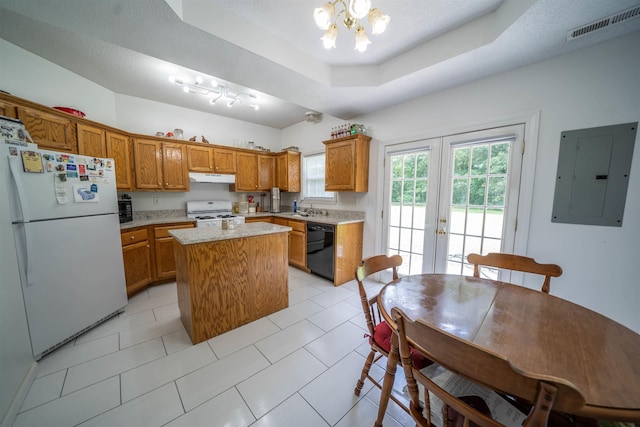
<point>516,263</point>
<point>479,366</point>
<point>379,331</point>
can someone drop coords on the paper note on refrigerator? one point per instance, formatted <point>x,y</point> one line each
<point>60,182</point>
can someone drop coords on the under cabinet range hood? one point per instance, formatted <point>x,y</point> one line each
<point>215,178</point>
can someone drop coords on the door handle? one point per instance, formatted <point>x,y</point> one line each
<point>441,232</point>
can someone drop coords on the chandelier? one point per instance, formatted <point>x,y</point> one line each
<point>216,91</point>
<point>356,10</point>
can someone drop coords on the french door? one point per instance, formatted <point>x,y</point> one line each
<point>450,196</point>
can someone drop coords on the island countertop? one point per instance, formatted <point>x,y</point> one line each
<point>190,236</point>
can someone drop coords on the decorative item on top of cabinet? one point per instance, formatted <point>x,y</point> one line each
<point>160,165</point>
<point>288,171</point>
<point>347,164</point>
<point>136,255</point>
<point>51,131</point>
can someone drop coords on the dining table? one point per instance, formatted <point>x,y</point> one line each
<point>535,331</point>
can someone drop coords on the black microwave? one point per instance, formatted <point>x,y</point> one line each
<point>125,211</point>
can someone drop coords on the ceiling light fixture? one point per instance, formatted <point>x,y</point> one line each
<point>353,13</point>
<point>215,89</point>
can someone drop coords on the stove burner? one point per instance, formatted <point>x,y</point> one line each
<point>204,217</point>
<point>226,216</point>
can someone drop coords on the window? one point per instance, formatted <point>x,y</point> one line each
<point>313,185</point>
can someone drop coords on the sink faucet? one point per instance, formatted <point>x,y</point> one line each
<point>309,210</point>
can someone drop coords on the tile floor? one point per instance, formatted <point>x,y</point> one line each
<point>296,367</point>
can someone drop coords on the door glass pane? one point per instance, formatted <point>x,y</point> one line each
<point>407,208</point>
<point>478,196</point>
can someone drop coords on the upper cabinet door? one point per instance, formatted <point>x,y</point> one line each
<point>91,141</point>
<point>199,159</point>
<point>119,149</point>
<point>266,172</point>
<point>288,171</point>
<point>174,167</point>
<point>148,164</point>
<point>247,175</point>
<point>224,160</point>
<point>347,164</point>
<point>49,131</point>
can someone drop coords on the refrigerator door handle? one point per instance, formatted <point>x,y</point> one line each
<point>15,174</point>
<point>29,255</point>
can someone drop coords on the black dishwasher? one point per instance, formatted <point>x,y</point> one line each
<point>320,249</point>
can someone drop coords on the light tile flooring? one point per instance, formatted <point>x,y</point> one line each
<point>296,367</point>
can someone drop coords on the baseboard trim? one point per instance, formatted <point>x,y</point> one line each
<point>21,395</point>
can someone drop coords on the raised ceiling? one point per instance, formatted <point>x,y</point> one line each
<point>273,48</point>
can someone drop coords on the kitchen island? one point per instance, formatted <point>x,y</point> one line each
<point>228,278</point>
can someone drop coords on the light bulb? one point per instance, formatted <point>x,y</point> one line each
<point>378,21</point>
<point>214,83</point>
<point>322,15</point>
<point>199,80</point>
<point>362,40</point>
<point>185,89</point>
<point>359,8</point>
<point>329,38</point>
<point>172,79</point>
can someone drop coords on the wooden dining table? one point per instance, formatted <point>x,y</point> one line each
<point>537,332</point>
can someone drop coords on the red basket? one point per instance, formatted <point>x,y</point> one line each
<point>71,111</point>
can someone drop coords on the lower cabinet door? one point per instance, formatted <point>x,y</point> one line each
<point>137,266</point>
<point>165,259</point>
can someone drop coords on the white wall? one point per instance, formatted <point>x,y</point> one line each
<point>30,77</point>
<point>596,86</point>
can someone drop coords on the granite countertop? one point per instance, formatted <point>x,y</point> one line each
<point>144,218</point>
<point>332,217</point>
<point>190,236</point>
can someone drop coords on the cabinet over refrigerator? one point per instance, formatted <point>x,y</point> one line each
<point>64,216</point>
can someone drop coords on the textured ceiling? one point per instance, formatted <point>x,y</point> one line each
<point>272,48</point>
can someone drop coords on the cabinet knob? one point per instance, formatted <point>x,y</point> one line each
<point>133,237</point>
<point>166,183</point>
<point>148,246</point>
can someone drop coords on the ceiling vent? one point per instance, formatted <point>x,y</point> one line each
<point>618,18</point>
<point>312,117</point>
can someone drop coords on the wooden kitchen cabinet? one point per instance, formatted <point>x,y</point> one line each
<point>247,172</point>
<point>118,147</point>
<point>255,172</point>
<point>91,141</point>
<point>224,160</point>
<point>347,164</point>
<point>211,159</point>
<point>268,219</point>
<point>200,159</point>
<point>298,244</point>
<point>136,256</point>
<point>347,251</point>
<point>49,130</point>
<point>7,109</point>
<point>160,165</point>
<point>288,171</point>
<point>266,172</point>
<point>297,241</point>
<point>164,256</point>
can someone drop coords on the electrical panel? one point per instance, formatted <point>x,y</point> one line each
<point>593,175</point>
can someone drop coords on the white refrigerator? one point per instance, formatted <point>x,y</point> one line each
<point>64,215</point>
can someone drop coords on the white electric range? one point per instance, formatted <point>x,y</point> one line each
<point>211,213</point>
